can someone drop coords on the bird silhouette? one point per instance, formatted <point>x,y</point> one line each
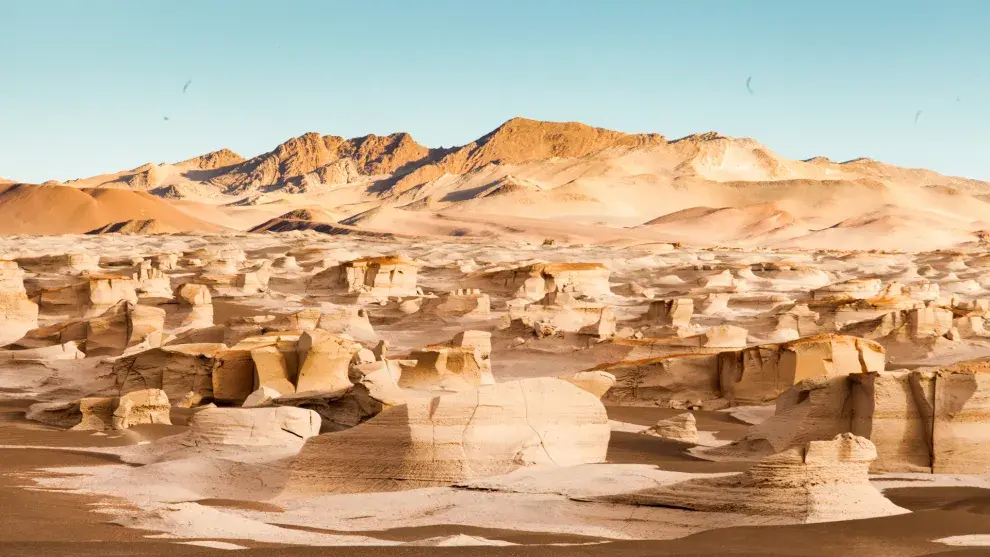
<point>917,116</point>
<point>166,118</point>
<point>186,86</point>
<point>749,81</point>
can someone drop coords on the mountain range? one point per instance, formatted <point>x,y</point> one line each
<point>527,178</point>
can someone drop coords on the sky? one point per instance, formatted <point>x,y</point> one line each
<point>85,86</point>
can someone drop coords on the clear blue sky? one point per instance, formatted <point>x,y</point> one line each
<point>85,85</point>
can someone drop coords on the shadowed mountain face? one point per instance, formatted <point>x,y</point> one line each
<point>704,189</point>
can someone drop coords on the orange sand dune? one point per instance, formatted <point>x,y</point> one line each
<point>44,209</point>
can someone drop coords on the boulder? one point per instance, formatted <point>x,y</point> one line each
<point>148,406</point>
<point>264,396</point>
<point>682,428</point>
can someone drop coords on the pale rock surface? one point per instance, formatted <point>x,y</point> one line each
<point>595,382</point>
<point>324,359</point>
<point>371,278</point>
<point>682,427</point>
<point>463,363</point>
<point>18,314</point>
<point>818,481</point>
<point>674,312</point>
<point>264,396</point>
<point>148,406</point>
<point>177,370</point>
<point>489,431</point>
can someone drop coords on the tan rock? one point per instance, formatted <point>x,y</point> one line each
<point>149,406</point>
<point>818,481</point>
<point>489,431</point>
<point>272,371</point>
<point>682,428</point>
<point>374,277</point>
<point>177,370</point>
<point>595,382</point>
<point>264,396</point>
<point>674,312</point>
<point>323,361</point>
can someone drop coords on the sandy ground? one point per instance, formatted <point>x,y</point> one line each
<point>80,481</point>
<point>83,527</point>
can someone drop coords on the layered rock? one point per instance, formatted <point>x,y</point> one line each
<point>853,289</point>
<point>544,320</point>
<point>370,278</point>
<point>465,302</point>
<point>18,314</point>
<point>682,428</point>
<point>463,363</point>
<point>533,282</point>
<point>177,370</point>
<point>595,382</point>
<point>89,298</point>
<point>252,427</point>
<point>756,375</point>
<point>674,312</point>
<point>473,434</point>
<point>194,307</point>
<point>818,481</point>
<point>147,406</point>
<point>124,326</point>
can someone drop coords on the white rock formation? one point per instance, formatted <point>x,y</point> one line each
<point>819,481</point>
<point>489,431</point>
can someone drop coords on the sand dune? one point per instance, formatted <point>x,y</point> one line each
<point>150,226</point>
<point>32,209</point>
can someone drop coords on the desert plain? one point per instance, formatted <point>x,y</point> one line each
<point>554,340</point>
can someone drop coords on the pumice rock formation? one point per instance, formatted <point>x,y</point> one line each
<point>682,427</point>
<point>371,278</point>
<point>431,343</point>
<point>473,434</point>
<point>148,406</point>
<point>18,314</point>
<point>755,375</point>
<point>533,282</point>
<point>920,421</point>
<point>819,481</point>
<point>463,363</point>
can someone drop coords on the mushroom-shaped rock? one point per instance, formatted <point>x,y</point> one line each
<point>324,360</point>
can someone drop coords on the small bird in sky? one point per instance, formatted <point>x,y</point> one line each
<point>166,118</point>
<point>186,86</point>
<point>749,81</point>
<point>917,116</point>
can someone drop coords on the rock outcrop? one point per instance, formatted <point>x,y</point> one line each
<point>370,278</point>
<point>818,481</point>
<point>18,314</point>
<point>147,406</point>
<point>473,434</point>
<point>682,428</point>
<point>463,363</point>
<point>755,375</point>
